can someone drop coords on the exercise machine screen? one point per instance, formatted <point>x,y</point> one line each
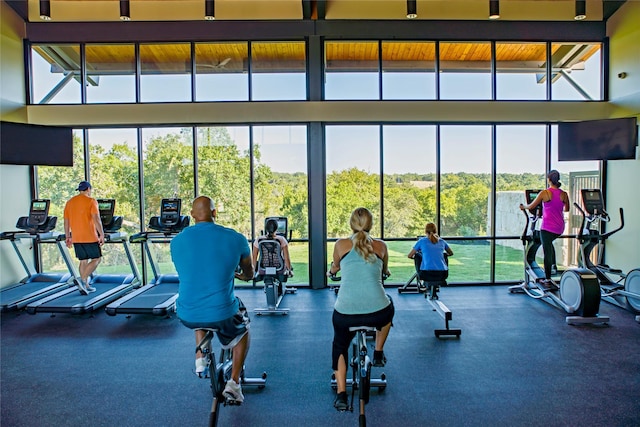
<point>593,202</point>
<point>106,207</point>
<point>38,212</point>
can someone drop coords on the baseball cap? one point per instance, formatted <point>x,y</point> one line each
<point>83,186</point>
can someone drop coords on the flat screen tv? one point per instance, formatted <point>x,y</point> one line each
<point>25,144</point>
<point>610,139</point>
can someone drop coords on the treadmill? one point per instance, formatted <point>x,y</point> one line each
<point>37,227</point>
<point>109,287</point>
<point>159,296</point>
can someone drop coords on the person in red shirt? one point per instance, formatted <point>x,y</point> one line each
<point>83,228</point>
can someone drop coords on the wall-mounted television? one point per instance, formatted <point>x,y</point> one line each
<point>26,144</point>
<point>610,139</point>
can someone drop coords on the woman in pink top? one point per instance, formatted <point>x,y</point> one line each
<point>554,203</point>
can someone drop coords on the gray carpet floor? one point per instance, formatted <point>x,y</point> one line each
<point>517,363</point>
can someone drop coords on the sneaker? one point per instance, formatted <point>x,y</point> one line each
<point>233,392</point>
<point>201,367</point>
<point>378,358</point>
<point>90,288</point>
<point>81,286</point>
<point>341,402</point>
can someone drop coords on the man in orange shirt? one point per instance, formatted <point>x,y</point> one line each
<point>82,218</point>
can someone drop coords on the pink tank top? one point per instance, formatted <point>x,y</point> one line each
<point>552,213</point>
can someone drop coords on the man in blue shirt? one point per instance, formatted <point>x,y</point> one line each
<point>206,256</point>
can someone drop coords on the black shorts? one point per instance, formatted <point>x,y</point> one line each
<point>230,330</point>
<point>87,250</point>
<point>433,275</point>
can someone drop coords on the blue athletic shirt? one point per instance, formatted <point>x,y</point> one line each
<point>432,258</point>
<point>206,256</point>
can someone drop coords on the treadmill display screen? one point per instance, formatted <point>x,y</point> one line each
<point>105,205</point>
<point>170,206</point>
<point>38,206</point>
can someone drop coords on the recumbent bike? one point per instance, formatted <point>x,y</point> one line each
<point>271,270</point>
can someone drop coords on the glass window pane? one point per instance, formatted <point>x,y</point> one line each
<point>513,177</point>
<point>353,176</point>
<point>351,70</point>
<point>471,261</point>
<point>224,170</point>
<point>521,71</point>
<point>222,72</point>
<point>574,176</point>
<point>113,167</point>
<point>465,70</point>
<point>168,168</point>
<point>408,70</point>
<point>58,184</point>
<point>278,71</point>
<point>577,73</point>
<point>55,74</point>
<point>280,187</point>
<point>466,180</point>
<point>165,72</point>
<point>111,73</point>
<point>409,179</point>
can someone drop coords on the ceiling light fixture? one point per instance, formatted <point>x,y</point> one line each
<point>125,12</point>
<point>412,9</point>
<point>209,10</point>
<point>581,10</point>
<point>494,9</point>
<point>45,10</point>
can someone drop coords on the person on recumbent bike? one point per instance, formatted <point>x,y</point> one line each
<point>206,256</point>
<point>433,248</point>
<point>361,300</point>
<point>271,227</point>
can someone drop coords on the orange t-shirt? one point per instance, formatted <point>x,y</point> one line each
<point>78,211</point>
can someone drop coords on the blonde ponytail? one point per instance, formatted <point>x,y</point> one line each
<point>361,222</point>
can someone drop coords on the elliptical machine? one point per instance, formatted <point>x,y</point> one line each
<point>625,295</point>
<point>578,293</point>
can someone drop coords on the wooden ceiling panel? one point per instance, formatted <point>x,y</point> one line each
<point>193,10</point>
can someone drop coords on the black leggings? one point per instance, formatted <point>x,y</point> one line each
<point>342,336</point>
<point>547,239</point>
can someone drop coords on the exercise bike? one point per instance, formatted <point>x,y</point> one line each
<point>271,270</point>
<point>577,294</point>
<point>219,372</point>
<point>612,289</point>
<point>361,365</point>
<point>432,284</point>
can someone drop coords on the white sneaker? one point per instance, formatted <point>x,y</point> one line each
<point>201,367</point>
<point>233,392</point>
<point>81,286</point>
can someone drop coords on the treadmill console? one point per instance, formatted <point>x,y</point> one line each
<point>530,197</point>
<point>110,222</point>
<point>592,200</point>
<point>170,221</point>
<point>38,221</point>
<point>38,212</point>
<point>283,225</point>
<point>170,212</point>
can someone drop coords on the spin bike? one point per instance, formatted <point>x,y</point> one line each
<point>626,296</point>
<point>361,365</point>
<point>578,293</point>
<point>219,372</point>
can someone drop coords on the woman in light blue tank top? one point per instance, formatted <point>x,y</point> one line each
<point>361,300</point>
